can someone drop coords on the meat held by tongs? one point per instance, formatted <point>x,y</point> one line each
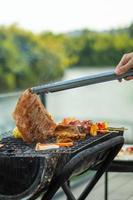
<point>32,119</point>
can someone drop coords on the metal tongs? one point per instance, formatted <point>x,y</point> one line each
<point>79,82</point>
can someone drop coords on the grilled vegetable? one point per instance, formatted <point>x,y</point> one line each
<point>16,133</point>
<point>65,144</point>
<point>93,129</point>
<point>102,125</point>
<point>40,146</point>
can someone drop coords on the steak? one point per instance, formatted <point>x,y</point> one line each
<point>32,119</point>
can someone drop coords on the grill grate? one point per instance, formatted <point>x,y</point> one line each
<point>17,148</point>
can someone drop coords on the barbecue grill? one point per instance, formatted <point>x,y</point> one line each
<point>26,173</point>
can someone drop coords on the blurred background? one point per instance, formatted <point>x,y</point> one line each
<point>43,41</point>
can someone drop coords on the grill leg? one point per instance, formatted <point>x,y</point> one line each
<point>67,191</point>
<point>68,184</point>
<point>106,186</point>
<point>98,174</point>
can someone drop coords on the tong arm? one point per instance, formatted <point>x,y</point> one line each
<point>79,82</point>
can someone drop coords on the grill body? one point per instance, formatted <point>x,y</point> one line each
<point>25,173</point>
<point>23,177</point>
<point>19,177</point>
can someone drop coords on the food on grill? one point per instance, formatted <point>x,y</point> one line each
<point>68,132</point>
<point>93,129</point>
<point>86,126</point>
<point>64,140</point>
<point>32,119</point>
<point>83,126</point>
<point>35,124</point>
<point>1,145</point>
<point>17,133</point>
<point>65,144</point>
<point>102,125</point>
<point>41,146</point>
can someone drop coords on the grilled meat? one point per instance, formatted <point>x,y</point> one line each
<point>63,132</point>
<point>32,119</point>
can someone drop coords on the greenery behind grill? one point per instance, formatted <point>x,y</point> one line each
<point>28,59</point>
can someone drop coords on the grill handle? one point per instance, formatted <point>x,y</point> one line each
<point>79,82</point>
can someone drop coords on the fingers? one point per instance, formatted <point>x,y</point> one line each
<point>124,68</point>
<point>124,65</point>
<point>124,60</point>
<point>120,69</point>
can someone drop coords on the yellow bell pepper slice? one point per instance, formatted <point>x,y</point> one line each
<point>93,130</point>
<point>16,133</point>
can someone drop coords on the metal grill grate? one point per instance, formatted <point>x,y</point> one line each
<point>17,148</point>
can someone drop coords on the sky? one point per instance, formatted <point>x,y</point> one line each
<point>66,15</point>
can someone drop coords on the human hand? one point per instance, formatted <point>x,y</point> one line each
<point>125,64</point>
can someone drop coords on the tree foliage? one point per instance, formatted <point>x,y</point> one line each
<point>28,59</point>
